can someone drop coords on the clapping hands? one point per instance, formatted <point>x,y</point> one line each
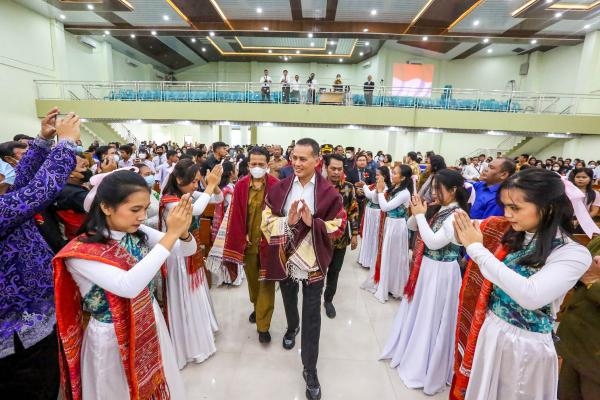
<point>299,210</point>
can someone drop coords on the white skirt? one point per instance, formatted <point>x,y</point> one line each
<point>367,255</point>
<point>421,343</point>
<point>191,317</point>
<point>512,363</point>
<point>102,373</point>
<point>394,259</point>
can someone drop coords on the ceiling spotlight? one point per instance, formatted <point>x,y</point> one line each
<point>258,10</point>
<point>312,44</point>
<point>153,33</point>
<point>486,40</point>
<point>132,36</point>
<point>373,12</point>
<point>330,52</point>
<point>211,33</point>
<point>285,58</point>
<point>367,44</point>
<point>107,32</point>
<point>476,22</point>
<point>90,6</point>
<point>558,15</point>
<point>425,38</point>
<point>204,49</point>
<point>310,35</point>
<point>297,51</point>
<point>62,16</point>
<point>270,51</point>
<point>165,17</point>
<point>587,26</point>
<point>366,30</point>
<point>332,42</point>
<point>490,50</point>
<point>265,28</point>
<point>341,60</point>
<point>193,40</point>
<point>533,41</point>
<point>549,1</point>
<point>361,54</point>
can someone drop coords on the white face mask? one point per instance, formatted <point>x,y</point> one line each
<point>555,168</point>
<point>257,172</point>
<point>142,156</point>
<point>348,155</point>
<point>116,157</point>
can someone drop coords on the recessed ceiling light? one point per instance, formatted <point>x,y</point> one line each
<point>166,17</point>
<point>549,1</point>
<point>361,54</point>
<point>312,44</point>
<point>107,32</point>
<point>330,52</point>
<point>558,15</point>
<point>310,35</point>
<point>366,30</point>
<point>341,60</point>
<point>153,33</point>
<point>490,50</point>
<point>285,58</point>
<point>332,42</point>
<point>62,16</point>
<point>90,6</point>
<point>486,40</point>
<point>297,51</point>
<point>373,12</point>
<point>193,40</point>
<point>533,41</point>
<point>132,36</point>
<point>367,43</point>
<point>211,33</point>
<point>270,51</point>
<point>204,49</point>
<point>258,10</point>
<point>586,26</point>
<point>476,22</point>
<point>265,28</point>
<point>425,38</point>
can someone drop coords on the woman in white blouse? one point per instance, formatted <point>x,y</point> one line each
<point>514,354</point>
<point>126,348</point>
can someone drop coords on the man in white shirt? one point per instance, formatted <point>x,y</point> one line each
<point>295,90</point>
<point>160,158</point>
<point>471,172</point>
<point>126,151</point>
<point>285,87</point>
<point>163,172</point>
<point>265,86</point>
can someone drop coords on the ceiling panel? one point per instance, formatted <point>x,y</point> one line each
<point>499,49</point>
<point>222,43</point>
<point>494,16</point>
<point>344,46</point>
<point>276,42</point>
<point>151,14</point>
<point>313,9</point>
<point>566,27</point>
<point>246,9</point>
<point>72,17</point>
<point>398,11</point>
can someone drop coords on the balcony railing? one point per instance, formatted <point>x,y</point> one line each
<point>446,98</point>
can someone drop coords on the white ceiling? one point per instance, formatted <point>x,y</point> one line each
<point>392,11</point>
<point>493,15</point>
<point>246,9</point>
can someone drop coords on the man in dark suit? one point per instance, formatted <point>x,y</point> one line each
<point>364,176</point>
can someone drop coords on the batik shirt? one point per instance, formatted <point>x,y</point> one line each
<point>348,194</point>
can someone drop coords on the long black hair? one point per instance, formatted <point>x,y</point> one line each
<point>385,172</point>
<point>450,180</point>
<point>437,163</point>
<point>590,193</point>
<point>546,191</point>
<point>407,182</point>
<point>186,170</point>
<point>112,192</point>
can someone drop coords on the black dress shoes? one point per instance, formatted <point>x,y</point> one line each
<point>329,309</point>
<point>264,337</point>
<point>313,387</point>
<point>289,339</point>
<point>252,317</point>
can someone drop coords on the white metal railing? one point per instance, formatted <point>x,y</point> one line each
<point>348,95</point>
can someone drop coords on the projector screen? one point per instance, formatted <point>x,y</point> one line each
<point>412,80</point>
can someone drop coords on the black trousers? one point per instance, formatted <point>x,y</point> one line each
<point>333,273</point>
<point>311,317</point>
<point>285,94</point>
<point>31,373</point>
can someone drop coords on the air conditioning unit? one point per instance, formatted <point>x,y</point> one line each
<point>131,63</point>
<point>88,41</point>
<point>415,62</point>
<point>366,65</point>
<point>524,69</point>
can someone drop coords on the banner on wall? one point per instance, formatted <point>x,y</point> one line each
<point>412,80</point>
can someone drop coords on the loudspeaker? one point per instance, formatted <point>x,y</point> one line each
<point>524,69</point>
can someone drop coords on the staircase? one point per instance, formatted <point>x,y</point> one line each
<point>532,145</point>
<point>105,133</point>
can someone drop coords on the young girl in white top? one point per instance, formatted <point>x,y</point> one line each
<point>125,350</point>
<point>421,343</point>
<point>539,262</point>
<point>393,272</point>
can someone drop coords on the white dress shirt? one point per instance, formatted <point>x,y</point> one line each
<point>285,80</point>
<point>159,160</point>
<point>266,81</point>
<point>306,192</point>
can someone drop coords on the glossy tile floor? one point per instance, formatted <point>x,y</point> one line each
<point>350,345</point>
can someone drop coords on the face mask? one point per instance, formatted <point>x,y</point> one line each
<point>348,155</point>
<point>555,168</point>
<point>178,154</point>
<point>142,156</point>
<point>258,172</point>
<point>79,149</point>
<point>116,157</point>
<point>149,180</point>
<point>381,158</point>
<point>87,174</point>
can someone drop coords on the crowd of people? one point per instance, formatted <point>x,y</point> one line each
<point>105,286</point>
